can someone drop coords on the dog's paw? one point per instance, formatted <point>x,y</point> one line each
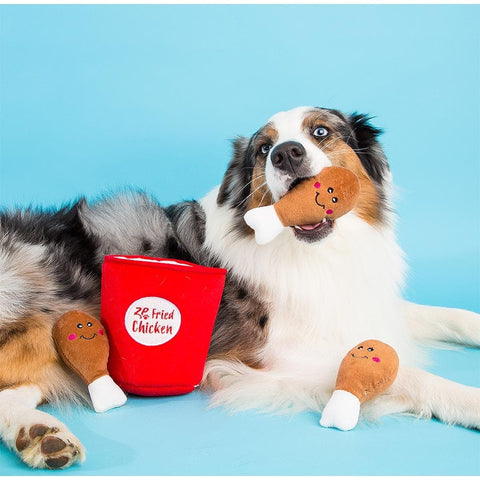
<point>41,446</point>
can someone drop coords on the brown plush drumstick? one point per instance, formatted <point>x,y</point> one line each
<point>83,346</point>
<point>327,196</point>
<point>367,370</point>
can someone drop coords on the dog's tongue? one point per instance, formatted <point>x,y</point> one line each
<point>310,227</point>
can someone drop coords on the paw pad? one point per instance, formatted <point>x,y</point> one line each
<point>52,445</point>
<point>57,462</point>
<point>23,441</point>
<point>37,430</point>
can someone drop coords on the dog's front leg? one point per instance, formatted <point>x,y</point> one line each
<point>39,439</point>
<point>422,393</point>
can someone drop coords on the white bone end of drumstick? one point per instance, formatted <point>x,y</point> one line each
<point>106,394</point>
<point>265,222</point>
<point>341,411</point>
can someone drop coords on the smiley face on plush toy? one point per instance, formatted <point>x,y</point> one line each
<point>363,351</point>
<point>86,330</point>
<point>322,197</point>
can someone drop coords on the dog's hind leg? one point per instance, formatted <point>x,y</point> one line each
<point>443,324</point>
<point>424,394</point>
<point>39,439</point>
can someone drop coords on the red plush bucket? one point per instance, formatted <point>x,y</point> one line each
<point>159,316</point>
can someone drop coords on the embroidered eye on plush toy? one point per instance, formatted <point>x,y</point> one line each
<point>327,196</point>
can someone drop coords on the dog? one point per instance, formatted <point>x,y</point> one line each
<point>290,311</point>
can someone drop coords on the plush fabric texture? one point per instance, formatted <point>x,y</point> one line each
<point>368,369</point>
<point>330,194</point>
<point>82,344</point>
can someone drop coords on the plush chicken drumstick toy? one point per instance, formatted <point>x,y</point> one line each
<point>366,371</point>
<point>327,196</point>
<point>83,345</point>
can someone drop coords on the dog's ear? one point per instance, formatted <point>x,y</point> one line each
<point>235,186</point>
<point>364,142</point>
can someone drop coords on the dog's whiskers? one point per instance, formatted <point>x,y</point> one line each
<point>254,179</point>
<point>263,196</point>
<point>252,193</point>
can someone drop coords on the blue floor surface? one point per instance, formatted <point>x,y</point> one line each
<point>183,436</point>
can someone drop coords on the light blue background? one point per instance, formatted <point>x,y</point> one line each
<point>96,98</point>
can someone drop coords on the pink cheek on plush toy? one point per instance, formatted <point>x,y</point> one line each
<point>72,336</point>
<point>376,359</point>
<point>317,185</point>
<point>100,332</point>
<point>328,212</point>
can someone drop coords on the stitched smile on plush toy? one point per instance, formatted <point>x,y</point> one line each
<point>89,325</point>
<point>316,201</point>
<point>369,349</point>
<point>88,338</point>
<point>354,356</point>
<point>330,190</point>
<point>317,230</point>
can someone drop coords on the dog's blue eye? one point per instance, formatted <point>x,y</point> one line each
<point>265,148</point>
<point>320,132</point>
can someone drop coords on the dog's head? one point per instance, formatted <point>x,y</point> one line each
<point>298,144</point>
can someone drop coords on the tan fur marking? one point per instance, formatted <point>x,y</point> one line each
<point>268,134</point>
<point>32,359</point>
<point>315,119</point>
<point>30,356</point>
<point>340,154</point>
<point>260,195</point>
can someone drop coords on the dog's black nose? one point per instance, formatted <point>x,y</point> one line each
<point>288,156</point>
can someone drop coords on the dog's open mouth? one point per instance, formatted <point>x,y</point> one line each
<point>314,232</point>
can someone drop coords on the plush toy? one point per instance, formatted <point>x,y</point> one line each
<point>366,371</point>
<point>83,346</point>
<point>327,196</point>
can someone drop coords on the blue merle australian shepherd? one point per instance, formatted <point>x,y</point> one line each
<point>290,310</point>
